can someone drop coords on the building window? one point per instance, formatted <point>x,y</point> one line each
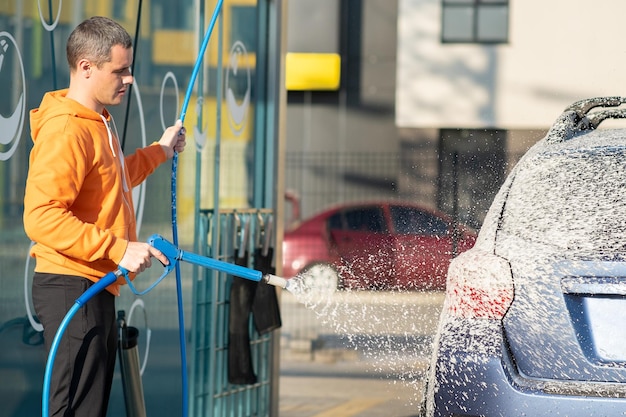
<point>475,21</point>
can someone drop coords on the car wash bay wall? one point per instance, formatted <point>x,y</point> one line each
<point>241,63</point>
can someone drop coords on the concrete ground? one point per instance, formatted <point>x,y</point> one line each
<point>362,354</point>
<point>345,384</point>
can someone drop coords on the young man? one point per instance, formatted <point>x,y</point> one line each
<point>78,210</point>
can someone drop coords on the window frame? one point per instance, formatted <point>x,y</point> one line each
<point>476,6</point>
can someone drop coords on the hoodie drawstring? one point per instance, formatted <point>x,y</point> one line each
<point>112,146</point>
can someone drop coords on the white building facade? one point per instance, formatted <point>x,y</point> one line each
<point>553,53</point>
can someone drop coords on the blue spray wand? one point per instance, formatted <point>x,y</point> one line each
<point>174,255</point>
<point>179,286</point>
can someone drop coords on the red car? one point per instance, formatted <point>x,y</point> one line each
<point>379,245</point>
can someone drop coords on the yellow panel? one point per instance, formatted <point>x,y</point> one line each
<point>226,31</point>
<point>177,47</point>
<point>307,71</point>
<point>174,47</point>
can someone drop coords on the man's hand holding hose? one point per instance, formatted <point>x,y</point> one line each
<point>138,255</point>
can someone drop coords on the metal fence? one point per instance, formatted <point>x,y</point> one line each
<point>316,180</point>
<point>319,179</point>
<point>234,370</point>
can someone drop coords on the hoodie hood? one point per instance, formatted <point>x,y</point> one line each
<point>55,105</point>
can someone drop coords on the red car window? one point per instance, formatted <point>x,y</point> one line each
<point>366,219</point>
<point>412,221</point>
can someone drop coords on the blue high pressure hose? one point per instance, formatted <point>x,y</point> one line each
<point>111,277</point>
<point>183,113</point>
<point>104,282</point>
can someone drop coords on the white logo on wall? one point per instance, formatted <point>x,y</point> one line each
<point>237,106</point>
<point>54,24</point>
<point>139,303</point>
<point>11,125</point>
<point>200,136</point>
<point>169,76</point>
<point>27,293</point>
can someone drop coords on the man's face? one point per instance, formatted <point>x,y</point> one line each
<point>110,82</point>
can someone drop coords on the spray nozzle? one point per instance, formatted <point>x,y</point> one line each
<point>275,281</point>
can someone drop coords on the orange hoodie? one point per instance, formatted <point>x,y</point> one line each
<point>78,206</point>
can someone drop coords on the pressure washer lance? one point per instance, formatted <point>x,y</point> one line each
<point>174,255</point>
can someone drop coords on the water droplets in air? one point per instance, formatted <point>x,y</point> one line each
<point>390,331</point>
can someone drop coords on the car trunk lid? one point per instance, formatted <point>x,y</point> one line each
<point>568,322</point>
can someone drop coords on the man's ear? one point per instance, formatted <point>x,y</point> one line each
<point>84,68</point>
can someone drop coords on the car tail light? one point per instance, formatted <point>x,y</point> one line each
<point>479,285</point>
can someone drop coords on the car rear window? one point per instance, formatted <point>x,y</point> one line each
<point>362,219</point>
<point>572,200</point>
<point>412,221</point>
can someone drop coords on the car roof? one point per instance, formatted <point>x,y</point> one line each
<point>576,130</point>
<point>322,215</point>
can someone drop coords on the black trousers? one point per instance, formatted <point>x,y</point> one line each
<point>85,361</point>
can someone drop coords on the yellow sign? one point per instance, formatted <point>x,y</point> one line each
<point>308,71</point>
